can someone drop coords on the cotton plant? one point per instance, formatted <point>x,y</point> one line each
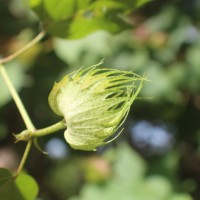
<point>94,103</point>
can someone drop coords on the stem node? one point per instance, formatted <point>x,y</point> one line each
<point>25,135</point>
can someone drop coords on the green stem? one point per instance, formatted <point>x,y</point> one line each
<point>10,86</point>
<point>17,99</point>
<point>24,158</point>
<point>50,129</point>
<point>25,48</point>
<point>26,135</point>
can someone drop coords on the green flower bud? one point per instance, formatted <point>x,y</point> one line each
<point>94,102</point>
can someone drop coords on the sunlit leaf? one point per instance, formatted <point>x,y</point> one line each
<point>22,187</point>
<point>63,9</point>
<point>82,26</point>
<point>77,18</point>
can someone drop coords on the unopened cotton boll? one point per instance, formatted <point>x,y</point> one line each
<point>94,103</point>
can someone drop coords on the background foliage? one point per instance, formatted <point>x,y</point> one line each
<point>157,156</point>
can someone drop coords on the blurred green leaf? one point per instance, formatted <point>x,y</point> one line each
<point>167,15</point>
<point>70,50</point>
<point>181,197</point>
<point>161,86</point>
<point>82,26</point>
<point>129,180</point>
<point>130,161</point>
<point>64,8</point>
<point>76,18</point>
<point>22,187</point>
<point>38,7</point>
<point>155,188</point>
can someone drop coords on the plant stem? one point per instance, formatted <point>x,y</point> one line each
<point>17,99</point>
<point>50,129</point>
<point>26,47</point>
<point>26,135</point>
<point>24,158</point>
<point>10,86</point>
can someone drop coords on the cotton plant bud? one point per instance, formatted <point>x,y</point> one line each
<point>94,103</point>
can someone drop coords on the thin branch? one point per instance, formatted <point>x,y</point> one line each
<point>50,129</point>
<point>24,158</point>
<point>26,47</point>
<point>17,99</point>
<point>26,135</point>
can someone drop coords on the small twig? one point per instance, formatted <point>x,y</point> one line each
<point>26,135</point>
<point>17,99</point>
<point>24,158</point>
<point>10,86</point>
<point>50,129</point>
<point>26,47</point>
